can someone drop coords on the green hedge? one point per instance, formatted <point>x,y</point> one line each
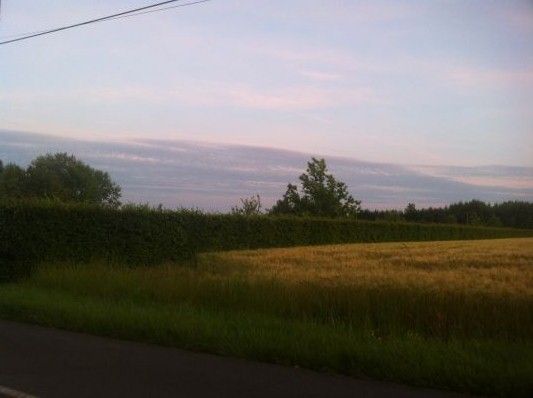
<point>228,232</point>
<point>34,233</point>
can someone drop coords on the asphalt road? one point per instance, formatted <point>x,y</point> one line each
<point>43,362</point>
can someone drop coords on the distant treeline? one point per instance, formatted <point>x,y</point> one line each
<point>513,214</point>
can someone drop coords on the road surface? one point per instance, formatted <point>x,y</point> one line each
<point>44,362</point>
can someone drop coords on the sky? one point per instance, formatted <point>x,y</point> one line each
<point>440,85</point>
<point>447,82</point>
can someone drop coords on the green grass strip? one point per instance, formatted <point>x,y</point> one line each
<point>473,365</point>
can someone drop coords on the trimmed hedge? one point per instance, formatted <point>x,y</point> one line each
<point>34,233</point>
<point>229,232</point>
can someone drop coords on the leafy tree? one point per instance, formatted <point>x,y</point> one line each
<point>410,212</point>
<point>474,212</point>
<point>450,219</point>
<point>320,195</point>
<point>494,221</point>
<point>59,177</point>
<point>515,214</point>
<point>12,181</point>
<point>249,206</point>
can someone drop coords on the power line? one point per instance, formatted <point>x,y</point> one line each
<point>21,34</point>
<point>133,14</point>
<point>123,14</point>
<point>28,35</point>
<point>160,9</point>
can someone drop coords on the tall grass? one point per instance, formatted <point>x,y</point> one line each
<point>447,314</point>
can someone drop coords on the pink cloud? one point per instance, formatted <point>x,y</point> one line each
<point>489,178</point>
<point>320,76</point>
<point>475,76</point>
<point>300,98</point>
<point>349,12</point>
<point>212,93</point>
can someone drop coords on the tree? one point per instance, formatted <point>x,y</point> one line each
<point>321,195</point>
<point>474,212</point>
<point>249,206</point>
<point>59,177</point>
<point>410,212</point>
<point>12,181</point>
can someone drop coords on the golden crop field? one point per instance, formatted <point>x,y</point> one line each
<point>497,267</point>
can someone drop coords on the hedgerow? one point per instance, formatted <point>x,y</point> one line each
<point>32,233</point>
<point>36,233</point>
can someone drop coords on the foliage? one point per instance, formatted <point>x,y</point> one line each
<point>142,207</point>
<point>513,214</point>
<point>13,182</point>
<point>249,206</point>
<point>59,177</point>
<point>33,233</point>
<point>321,195</point>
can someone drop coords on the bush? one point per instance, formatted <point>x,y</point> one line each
<point>32,233</point>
